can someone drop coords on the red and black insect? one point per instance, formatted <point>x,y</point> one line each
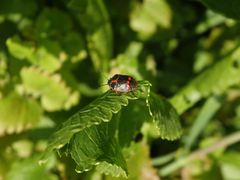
<point>122,83</point>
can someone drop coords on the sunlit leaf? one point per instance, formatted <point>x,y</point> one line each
<point>142,22</point>
<point>18,113</point>
<point>29,169</point>
<point>149,15</point>
<point>20,49</point>
<point>230,165</point>
<point>160,12</point>
<point>54,93</point>
<point>46,54</point>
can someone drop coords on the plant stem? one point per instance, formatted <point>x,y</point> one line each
<point>199,154</point>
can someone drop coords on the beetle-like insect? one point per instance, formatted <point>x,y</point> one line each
<point>122,83</point>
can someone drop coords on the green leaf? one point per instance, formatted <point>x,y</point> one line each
<point>208,110</point>
<point>100,110</point>
<point>212,20</point>
<point>165,117</point>
<point>49,23</point>
<point>131,120</point>
<point>54,93</point>
<point>230,165</point>
<point>18,49</point>
<point>215,80</point>
<point>29,169</point>
<point>98,146</point>
<point>139,163</point>
<point>142,22</point>
<point>46,55</point>
<point>91,138</point>
<point>92,15</point>
<point>24,7</point>
<point>147,16</point>
<point>229,9</point>
<point>159,11</point>
<point>18,113</point>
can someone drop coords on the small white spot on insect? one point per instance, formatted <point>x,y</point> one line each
<point>122,87</point>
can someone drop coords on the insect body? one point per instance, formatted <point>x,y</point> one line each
<point>122,83</point>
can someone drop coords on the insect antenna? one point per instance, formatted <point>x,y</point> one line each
<point>103,84</point>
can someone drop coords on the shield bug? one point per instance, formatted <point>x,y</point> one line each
<point>122,83</point>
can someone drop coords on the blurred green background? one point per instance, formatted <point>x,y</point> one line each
<point>56,56</point>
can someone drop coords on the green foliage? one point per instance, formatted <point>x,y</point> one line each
<point>131,120</point>
<point>55,61</point>
<point>28,8</point>
<point>29,169</point>
<point>97,146</point>
<point>229,9</point>
<point>208,110</point>
<point>91,145</point>
<point>100,110</point>
<point>138,163</point>
<point>56,96</point>
<point>93,17</point>
<point>230,165</point>
<point>209,82</point>
<point>25,114</point>
<point>147,16</point>
<point>40,56</point>
<point>166,118</point>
